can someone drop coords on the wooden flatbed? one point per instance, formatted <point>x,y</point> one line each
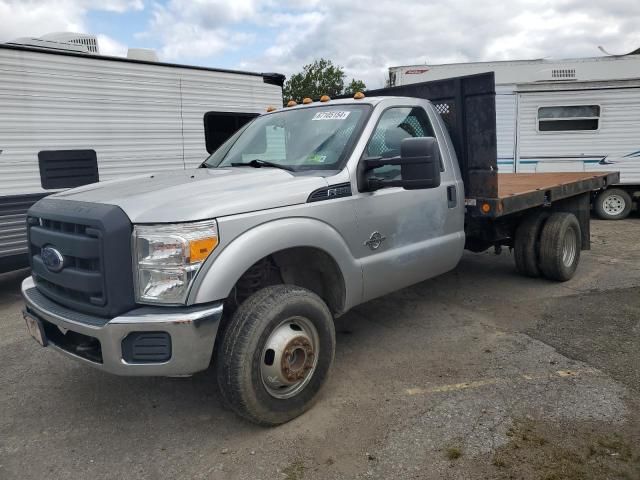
<point>521,191</point>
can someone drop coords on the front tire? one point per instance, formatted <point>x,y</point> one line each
<point>276,354</point>
<point>613,204</point>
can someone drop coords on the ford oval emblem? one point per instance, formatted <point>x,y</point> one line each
<point>52,258</point>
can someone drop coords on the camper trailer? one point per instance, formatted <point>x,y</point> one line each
<point>69,117</point>
<point>575,115</point>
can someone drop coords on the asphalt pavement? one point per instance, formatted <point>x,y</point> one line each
<point>480,373</point>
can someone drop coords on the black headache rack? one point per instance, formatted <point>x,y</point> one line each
<point>468,107</point>
<point>94,240</point>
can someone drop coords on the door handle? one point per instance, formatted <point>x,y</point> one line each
<point>452,198</point>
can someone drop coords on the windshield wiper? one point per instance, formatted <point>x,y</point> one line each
<point>257,163</point>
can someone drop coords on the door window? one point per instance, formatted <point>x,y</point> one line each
<point>395,125</point>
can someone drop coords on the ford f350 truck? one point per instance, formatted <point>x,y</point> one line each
<point>299,216</point>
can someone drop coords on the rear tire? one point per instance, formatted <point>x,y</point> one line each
<point>526,244</point>
<point>560,245</point>
<point>613,204</point>
<point>276,354</point>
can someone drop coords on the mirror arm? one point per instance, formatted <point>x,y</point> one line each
<point>375,183</point>
<point>377,162</point>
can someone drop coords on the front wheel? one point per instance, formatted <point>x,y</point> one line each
<point>612,204</point>
<point>275,354</point>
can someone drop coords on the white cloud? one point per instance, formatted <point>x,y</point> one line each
<point>109,46</point>
<point>196,29</point>
<point>363,36</point>
<point>368,37</point>
<point>30,18</point>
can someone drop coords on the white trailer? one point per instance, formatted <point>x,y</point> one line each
<point>571,115</point>
<point>68,118</point>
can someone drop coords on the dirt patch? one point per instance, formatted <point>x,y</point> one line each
<point>539,450</point>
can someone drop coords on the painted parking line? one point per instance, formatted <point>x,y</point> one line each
<point>499,380</point>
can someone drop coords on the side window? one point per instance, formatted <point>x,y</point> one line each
<point>395,125</point>
<point>568,119</point>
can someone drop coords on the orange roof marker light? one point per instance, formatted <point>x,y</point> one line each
<point>292,103</point>
<point>306,101</point>
<point>358,96</point>
<point>270,108</point>
<point>325,98</point>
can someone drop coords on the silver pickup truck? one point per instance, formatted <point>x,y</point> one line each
<point>302,214</point>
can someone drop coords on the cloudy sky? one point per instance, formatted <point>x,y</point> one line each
<point>365,37</point>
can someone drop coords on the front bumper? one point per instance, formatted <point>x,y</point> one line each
<point>192,331</point>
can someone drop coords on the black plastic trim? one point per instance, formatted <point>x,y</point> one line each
<point>146,347</point>
<point>67,168</point>
<point>331,192</point>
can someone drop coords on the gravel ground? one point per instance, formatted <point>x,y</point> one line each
<point>477,374</point>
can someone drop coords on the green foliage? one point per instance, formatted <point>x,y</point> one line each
<point>355,86</point>
<point>319,78</point>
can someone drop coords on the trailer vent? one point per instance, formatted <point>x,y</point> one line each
<point>562,73</point>
<point>67,168</point>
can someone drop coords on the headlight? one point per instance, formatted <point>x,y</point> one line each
<point>167,258</point>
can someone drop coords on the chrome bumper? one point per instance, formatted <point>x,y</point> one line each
<point>192,331</point>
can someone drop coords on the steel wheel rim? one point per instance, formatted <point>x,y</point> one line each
<point>614,204</point>
<point>289,357</point>
<point>569,247</point>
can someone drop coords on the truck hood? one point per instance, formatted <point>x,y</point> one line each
<point>203,193</point>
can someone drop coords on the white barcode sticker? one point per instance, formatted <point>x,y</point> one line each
<point>330,115</point>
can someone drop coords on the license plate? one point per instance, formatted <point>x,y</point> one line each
<point>34,326</point>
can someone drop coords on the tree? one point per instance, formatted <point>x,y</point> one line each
<point>355,86</point>
<point>319,78</point>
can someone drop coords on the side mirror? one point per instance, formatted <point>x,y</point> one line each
<point>419,162</point>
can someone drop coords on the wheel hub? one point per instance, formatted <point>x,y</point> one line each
<point>614,205</point>
<point>297,359</point>
<point>289,357</point>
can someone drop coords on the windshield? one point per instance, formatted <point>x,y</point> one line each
<point>301,139</point>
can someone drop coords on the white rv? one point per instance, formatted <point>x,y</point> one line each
<point>69,117</point>
<point>562,115</point>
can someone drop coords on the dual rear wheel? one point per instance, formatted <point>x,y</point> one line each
<point>548,244</point>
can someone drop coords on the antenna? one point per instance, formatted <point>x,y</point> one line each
<point>601,48</point>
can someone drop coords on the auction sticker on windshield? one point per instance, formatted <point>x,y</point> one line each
<point>330,115</point>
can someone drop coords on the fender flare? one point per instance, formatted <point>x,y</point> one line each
<point>220,273</point>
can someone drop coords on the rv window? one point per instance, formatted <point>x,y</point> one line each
<point>219,126</point>
<point>569,118</point>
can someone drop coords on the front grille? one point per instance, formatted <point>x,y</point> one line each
<point>81,279</point>
<point>94,240</point>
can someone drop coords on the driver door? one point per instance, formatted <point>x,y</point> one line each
<point>406,235</point>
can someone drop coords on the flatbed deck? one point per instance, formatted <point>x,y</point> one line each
<point>520,191</point>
